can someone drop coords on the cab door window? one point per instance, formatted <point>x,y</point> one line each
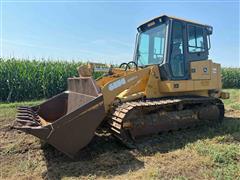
<point>195,39</point>
<point>157,52</point>
<point>177,55</point>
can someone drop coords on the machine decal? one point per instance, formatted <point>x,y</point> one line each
<point>205,70</point>
<point>132,78</point>
<point>116,84</point>
<point>214,70</point>
<point>176,85</point>
<point>151,24</point>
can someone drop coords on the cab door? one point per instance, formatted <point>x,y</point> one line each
<point>177,55</point>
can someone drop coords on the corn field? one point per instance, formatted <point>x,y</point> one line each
<point>22,80</point>
<point>25,80</point>
<point>231,77</point>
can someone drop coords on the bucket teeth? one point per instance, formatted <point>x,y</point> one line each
<point>25,110</point>
<point>28,108</point>
<point>22,108</point>
<point>27,116</point>
<point>31,118</point>
<point>27,122</point>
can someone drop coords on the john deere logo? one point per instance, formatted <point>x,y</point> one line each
<point>205,70</point>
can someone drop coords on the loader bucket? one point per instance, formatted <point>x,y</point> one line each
<point>67,121</point>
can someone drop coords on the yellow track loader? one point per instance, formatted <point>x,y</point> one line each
<point>170,84</point>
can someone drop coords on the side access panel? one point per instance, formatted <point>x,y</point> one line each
<point>201,70</point>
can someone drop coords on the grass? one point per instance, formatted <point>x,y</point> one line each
<point>16,104</point>
<point>201,153</point>
<point>234,101</point>
<point>225,157</point>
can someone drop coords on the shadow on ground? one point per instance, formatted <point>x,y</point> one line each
<point>106,157</point>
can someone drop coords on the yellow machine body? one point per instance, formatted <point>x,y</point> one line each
<point>133,84</point>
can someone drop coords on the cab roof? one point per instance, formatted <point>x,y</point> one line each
<point>165,18</point>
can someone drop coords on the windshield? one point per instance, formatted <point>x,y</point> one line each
<point>150,49</point>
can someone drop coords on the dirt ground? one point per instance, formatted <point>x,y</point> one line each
<point>199,153</point>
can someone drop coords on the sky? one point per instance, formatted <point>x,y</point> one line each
<point>104,31</point>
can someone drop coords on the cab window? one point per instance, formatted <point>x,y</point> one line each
<point>195,39</point>
<point>151,46</point>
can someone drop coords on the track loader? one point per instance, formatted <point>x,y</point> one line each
<point>170,84</point>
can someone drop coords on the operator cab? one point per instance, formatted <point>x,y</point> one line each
<point>172,43</point>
